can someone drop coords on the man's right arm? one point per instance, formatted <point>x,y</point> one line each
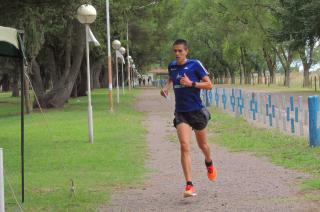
<point>165,90</point>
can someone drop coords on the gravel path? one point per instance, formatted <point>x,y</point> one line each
<point>245,182</point>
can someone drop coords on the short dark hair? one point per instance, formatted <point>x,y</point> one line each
<point>181,42</point>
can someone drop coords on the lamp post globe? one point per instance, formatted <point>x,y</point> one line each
<point>86,14</point>
<point>122,50</point>
<point>116,44</point>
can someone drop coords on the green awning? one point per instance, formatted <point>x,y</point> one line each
<point>9,44</point>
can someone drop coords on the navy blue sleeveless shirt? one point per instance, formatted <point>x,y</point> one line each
<point>187,98</point>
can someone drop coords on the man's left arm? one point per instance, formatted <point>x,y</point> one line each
<point>205,82</point>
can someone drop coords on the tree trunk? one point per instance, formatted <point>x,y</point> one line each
<point>82,80</point>
<point>243,65</point>
<point>27,97</point>
<point>271,63</point>
<point>228,76</point>
<point>15,78</point>
<point>74,51</point>
<point>37,83</point>
<point>287,72</point>
<point>104,75</point>
<point>285,57</point>
<point>287,77</point>
<point>5,83</point>
<point>259,77</point>
<point>96,72</point>
<point>306,64</point>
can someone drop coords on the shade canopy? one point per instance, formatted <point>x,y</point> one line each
<point>9,44</point>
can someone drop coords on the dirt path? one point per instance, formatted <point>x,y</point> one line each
<point>245,182</point>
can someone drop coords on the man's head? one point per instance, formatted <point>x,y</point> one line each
<point>180,50</point>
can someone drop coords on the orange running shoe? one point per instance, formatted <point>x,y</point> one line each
<point>212,173</point>
<point>189,191</point>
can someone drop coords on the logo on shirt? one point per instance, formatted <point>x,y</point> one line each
<point>173,69</point>
<point>186,67</point>
<point>178,76</point>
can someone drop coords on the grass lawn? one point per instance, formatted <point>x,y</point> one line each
<point>9,105</point>
<point>57,151</point>
<point>285,150</point>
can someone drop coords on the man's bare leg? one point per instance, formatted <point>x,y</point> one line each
<point>201,136</point>
<point>184,131</point>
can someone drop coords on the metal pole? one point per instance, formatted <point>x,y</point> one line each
<point>314,131</point>
<point>22,130</point>
<point>128,61</point>
<point>122,77</point>
<point>131,72</point>
<point>90,121</point>
<point>109,57</point>
<point>2,209</point>
<point>117,74</point>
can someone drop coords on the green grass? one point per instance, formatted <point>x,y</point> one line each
<point>9,105</point>
<point>285,150</point>
<point>57,150</point>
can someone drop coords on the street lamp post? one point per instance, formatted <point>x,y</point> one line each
<point>131,71</point>
<point>128,58</point>
<point>86,15</point>
<point>122,50</point>
<point>116,46</point>
<point>109,56</point>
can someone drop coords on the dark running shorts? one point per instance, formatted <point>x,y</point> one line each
<point>198,119</point>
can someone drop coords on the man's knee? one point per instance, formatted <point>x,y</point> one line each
<point>184,146</point>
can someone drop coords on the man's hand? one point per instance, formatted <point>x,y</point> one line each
<point>185,81</point>
<point>164,92</point>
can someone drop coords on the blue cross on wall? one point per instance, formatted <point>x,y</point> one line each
<point>210,97</point>
<point>296,114</point>
<point>217,97</point>
<point>253,106</point>
<point>224,99</point>
<point>232,100</point>
<point>271,106</point>
<point>203,96</point>
<point>240,101</point>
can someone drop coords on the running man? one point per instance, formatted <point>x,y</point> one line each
<point>188,77</point>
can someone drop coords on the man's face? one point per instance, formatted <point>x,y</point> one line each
<point>181,52</point>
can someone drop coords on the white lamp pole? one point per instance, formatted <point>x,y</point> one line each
<point>128,57</point>
<point>122,51</point>
<point>116,45</point>
<point>87,14</point>
<point>131,72</point>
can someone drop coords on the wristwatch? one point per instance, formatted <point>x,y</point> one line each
<point>193,84</point>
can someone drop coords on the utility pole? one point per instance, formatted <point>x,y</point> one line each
<point>109,57</point>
